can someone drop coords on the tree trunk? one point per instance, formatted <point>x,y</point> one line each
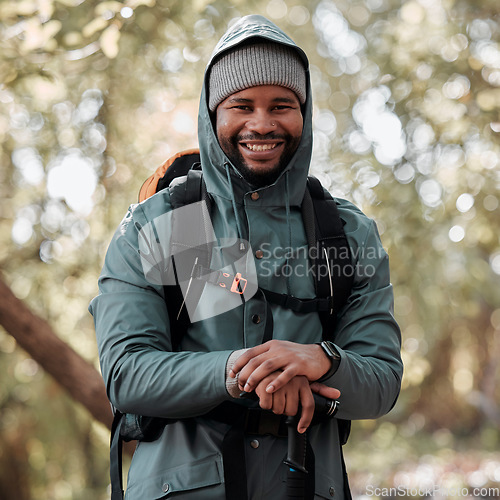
<point>36,337</point>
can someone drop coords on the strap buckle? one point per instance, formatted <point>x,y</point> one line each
<point>239,284</point>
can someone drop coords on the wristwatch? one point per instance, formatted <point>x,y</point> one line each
<point>333,355</point>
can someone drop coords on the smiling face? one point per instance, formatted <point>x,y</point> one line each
<point>259,130</point>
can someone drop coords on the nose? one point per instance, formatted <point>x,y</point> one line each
<point>261,123</point>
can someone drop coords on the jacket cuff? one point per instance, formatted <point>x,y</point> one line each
<point>232,383</point>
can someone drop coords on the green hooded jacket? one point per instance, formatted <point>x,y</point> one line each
<point>144,376</point>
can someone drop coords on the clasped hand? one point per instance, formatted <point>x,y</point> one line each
<point>283,375</point>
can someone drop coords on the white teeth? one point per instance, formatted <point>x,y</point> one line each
<point>260,147</point>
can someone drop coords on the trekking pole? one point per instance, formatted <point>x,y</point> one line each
<point>298,485</point>
<point>296,478</point>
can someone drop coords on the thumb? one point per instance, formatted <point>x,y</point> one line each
<point>325,391</point>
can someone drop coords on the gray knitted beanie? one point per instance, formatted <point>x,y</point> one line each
<point>256,64</point>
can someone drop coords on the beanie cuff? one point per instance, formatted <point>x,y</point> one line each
<point>254,65</point>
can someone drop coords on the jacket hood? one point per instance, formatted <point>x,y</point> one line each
<point>216,166</point>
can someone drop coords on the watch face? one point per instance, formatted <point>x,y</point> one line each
<point>331,352</point>
<point>330,349</point>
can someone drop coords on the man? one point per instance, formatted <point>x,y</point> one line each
<point>255,135</point>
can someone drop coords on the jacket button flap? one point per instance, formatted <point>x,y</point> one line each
<point>200,473</point>
<point>197,474</point>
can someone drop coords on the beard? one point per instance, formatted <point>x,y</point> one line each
<point>256,177</point>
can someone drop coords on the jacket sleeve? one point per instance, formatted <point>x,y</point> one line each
<point>367,335</point>
<point>141,373</point>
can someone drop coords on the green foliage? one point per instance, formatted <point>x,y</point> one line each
<point>96,94</point>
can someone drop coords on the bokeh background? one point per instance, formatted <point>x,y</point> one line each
<point>94,95</point>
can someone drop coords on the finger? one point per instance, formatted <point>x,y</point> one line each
<point>265,399</point>
<point>246,357</point>
<point>325,391</point>
<point>281,380</point>
<point>250,378</point>
<point>291,405</point>
<point>253,352</point>
<point>307,404</point>
<point>252,365</point>
<point>279,402</point>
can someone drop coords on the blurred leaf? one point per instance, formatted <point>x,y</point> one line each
<point>105,7</point>
<point>109,41</point>
<point>97,24</point>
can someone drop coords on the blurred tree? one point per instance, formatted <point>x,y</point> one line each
<point>34,335</point>
<point>95,94</point>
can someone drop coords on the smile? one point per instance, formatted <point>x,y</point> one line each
<point>260,147</point>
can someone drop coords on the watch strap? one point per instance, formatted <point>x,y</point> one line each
<point>331,352</point>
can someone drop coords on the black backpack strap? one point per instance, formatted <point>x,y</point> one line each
<point>309,217</point>
<point>184,191</point>
<point>187,189</point>
<point>347,488</point>
<point>333,268</point>
<point>302,306</point>
<point>234,463</point>
<point>178,168</point>
<point>115,457</point>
